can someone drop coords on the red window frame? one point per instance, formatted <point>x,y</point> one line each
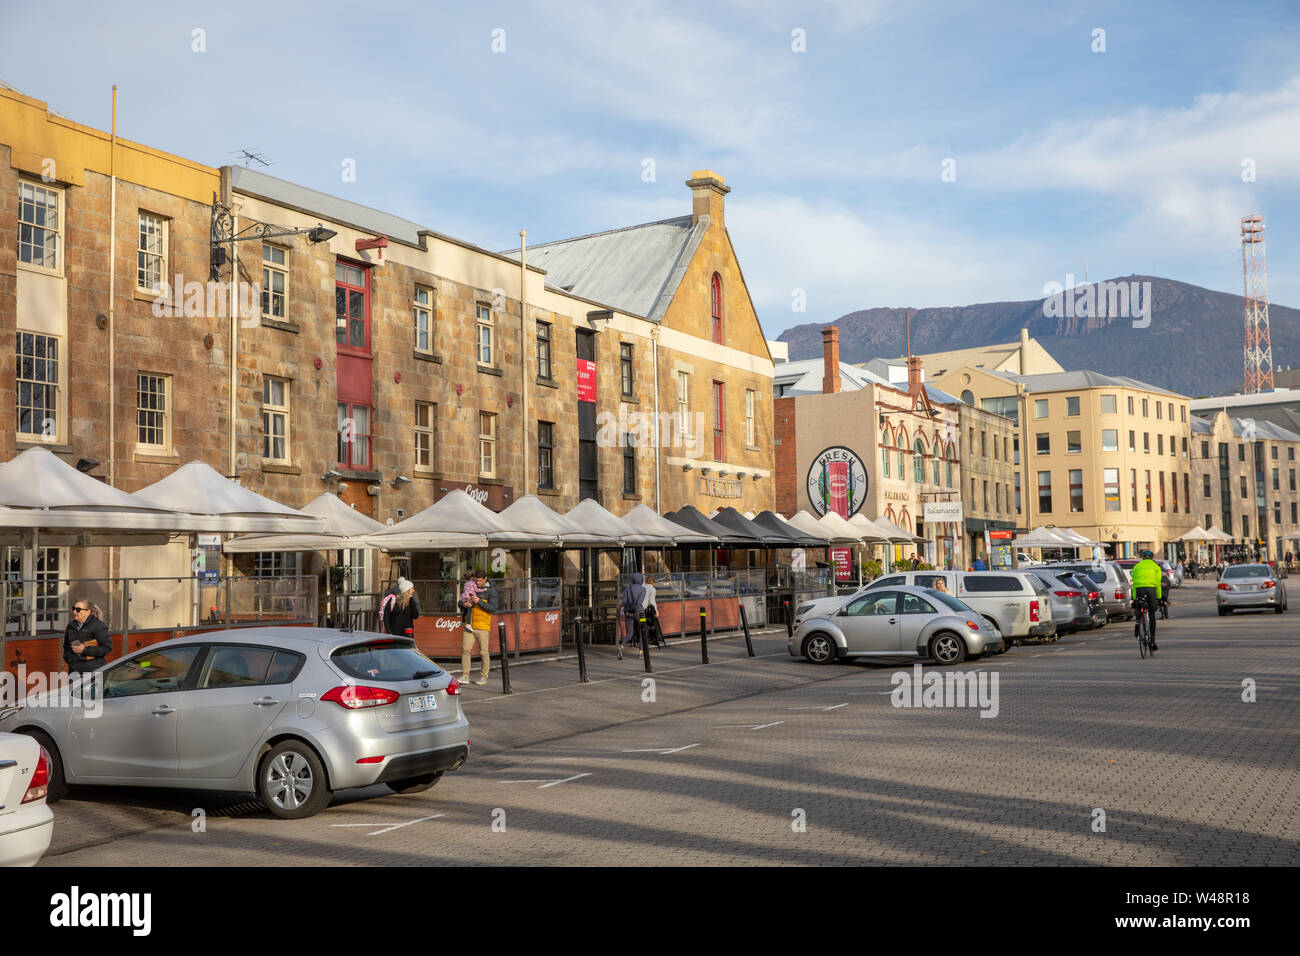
<point>719,424</point>
<point>716,285</point>
<point>364,290</point>
<point>348,463</point>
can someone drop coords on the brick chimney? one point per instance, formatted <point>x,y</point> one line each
<point>914,375</point>
<point>707,193</point>
<point>831,358</point>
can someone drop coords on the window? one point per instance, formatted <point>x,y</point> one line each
<point>275,281</point>
<point>1173,447</point>
<point>1040,408</point>
<point>39,224</point>
<point>545,455</point>
<point>1171,411</point>
<point>1293,479</point>
<point>716,297</point>
<point>1277,512</point>
<point>151,255</point>
<point>1109,439</point>
<point>936,466</point>
<point>543,350</point>
<point>984,441</point>
<point>629,465</point>
<point>155,672</point>
<point>751,423</point>
<point>997,497</point>
<point>1241,453</point>
<point>1132,446</point>
<point>151,403</point>
<point>37,362</point>
<point>1273,452</point>
<point>1073,443</point>
<point>1158,410</point>
<point>422,318</point>
<point>1017,483</point>
<point>275,564</point>
<point>968,397</point>
<point>918,461</point>
<point>1160,444</point>
<point>971,446</point>
<point>902,468</point>
<point>1205,486</point>
<point>719,424</point>
<point>1245,526</point>
<point>1130,404</point>
<point>1183,445</point>
<point>351,306</point>
<point>1243,486</point>
<point>1290,453</point>
<point>986,496</point>
<point>1148,481</point>
<point>354,435</point>
<point>426,444</point>
<point>1173,491</point>
<point>1072,405</point>
<point>235,666</point>
<point>1108,406</point>
<point>625,368</point>
<point>1133,480</point>
<point>1205,449</point>
<point>1044,443</point>
<point>1276,482</point>
<point>487,445</point>
<point>683,403</point>
<point>1016,450</point>
<point>884,454</point>
<point>275,419</point>
<point>1146,443</point>
<point>1110,487</point>
<point>947,469</point>
<point>1144,408</point>
<point>995,448</point>
<point>1076,492</point>
<point>1045,492</point>
<point>1187,494</point>
<point>1293,512</point>
<point>485,334</point>
<point>1005,456</point>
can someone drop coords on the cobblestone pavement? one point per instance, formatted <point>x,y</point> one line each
<point>773,760</point>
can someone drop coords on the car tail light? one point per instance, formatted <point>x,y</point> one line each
<point>1033,611</point>
<point>1119,594</point>
<point>453,689</point>
<point>1094,595</point>
<point>972,625</point>
<point>1225,587</point>
<point>1068,593</point>
<point>1269,584</point>
<point>354,698</point>
<point>40,785</point>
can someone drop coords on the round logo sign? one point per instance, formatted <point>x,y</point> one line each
<point>837,481</point>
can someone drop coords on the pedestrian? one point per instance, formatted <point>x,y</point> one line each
<point>478,628</point>
<point>468,597</point>
<point>651,608</point>
<point>86,641</point>
<point>940,585</point>
<point>630,610</point>
<point>400,615</point>
<point>979,564</point>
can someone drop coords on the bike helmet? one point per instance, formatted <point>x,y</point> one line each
<point>1147,554</point>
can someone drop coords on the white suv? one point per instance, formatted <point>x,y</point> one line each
<point>1017,604</point>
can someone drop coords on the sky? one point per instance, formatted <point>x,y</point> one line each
<point>879,153</point>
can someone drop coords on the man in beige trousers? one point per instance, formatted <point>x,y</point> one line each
<point>478,628</point>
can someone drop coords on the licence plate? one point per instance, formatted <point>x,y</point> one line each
<point>422,703</point>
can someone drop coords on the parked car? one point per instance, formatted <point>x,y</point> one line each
<point>892,622</point>
<point>289,714</point>
<point>1070,609</point>
<point>1250,585</point>
<point>1111,580</point>
<point>1017,603</point>
<point>26,821</point>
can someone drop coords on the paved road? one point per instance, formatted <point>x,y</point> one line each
<point>776,761</point>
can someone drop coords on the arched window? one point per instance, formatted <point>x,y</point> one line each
<point>717,308</point>
<point>918,462</point>
<point>884,451</point>
<point>968,397</point>
<point>936,469</point>
<point>948,472</point>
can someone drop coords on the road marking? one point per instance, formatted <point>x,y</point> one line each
<point>388,828</point>
<point>556,783</point>
<point>749,726</point>
<point>656,750</point>
<point>820,707</point>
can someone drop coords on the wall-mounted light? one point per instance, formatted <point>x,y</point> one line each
<point>723,473</point>
<point>706,471</point>
<point>400,480</point>
<point>331,475</point>
<point>600,315</point>
<point>688,467</point>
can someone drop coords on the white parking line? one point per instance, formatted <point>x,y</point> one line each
<point>556,783</point>
<point>656,750</point>
<point>749,726</point>
<point>389,828</point>
<point>820,707</point>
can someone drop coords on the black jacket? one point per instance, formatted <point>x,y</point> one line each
<point>397,620</point>
<point>91,657</point>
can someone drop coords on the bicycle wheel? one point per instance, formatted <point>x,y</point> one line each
<point>1142,634</point>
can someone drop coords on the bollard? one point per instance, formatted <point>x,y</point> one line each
<point>641,636</point>
<point>505,658</point>
<point>582,654</point>
<point>704,637</point>
<point>789,621</point>
<point>744,622</point>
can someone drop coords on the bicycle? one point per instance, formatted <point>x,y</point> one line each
<point>1144,639</point>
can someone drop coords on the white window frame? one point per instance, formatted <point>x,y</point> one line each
<point>751,426</point>
<point>141,251</point>
<point>422,310</point>
<point>60,395</point>
<point>271,411</point>
<point>429,432</point>
<point>270,269</point>
<point>52,244</point>
<point>684,403</point>
<point>483,321</point>
<point>165,446</point>
<point>487,444</point>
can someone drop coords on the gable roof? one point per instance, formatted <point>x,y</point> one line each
<point>1081,378</point>
<point>804,377</point>
<point>636,269</point>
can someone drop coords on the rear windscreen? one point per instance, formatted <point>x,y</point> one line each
<point>1247,571</point>
<point>386,659</point>
<point>991,583</point>
<point>949,601</point>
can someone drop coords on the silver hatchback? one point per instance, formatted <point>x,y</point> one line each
<point>290,714</point>
<point>900,621</point>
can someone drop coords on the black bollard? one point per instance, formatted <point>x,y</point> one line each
<point>789,621</point>
<point>744,622</point>
<point>704,637</point>
<point>582,654</point>
<point>644,641</point>
<point>505,658</point>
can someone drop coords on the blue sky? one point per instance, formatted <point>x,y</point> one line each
<point>1126,161</point>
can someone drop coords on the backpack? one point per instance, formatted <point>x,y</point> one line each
<point>389,601</point>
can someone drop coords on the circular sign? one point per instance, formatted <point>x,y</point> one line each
<point>837,481</point>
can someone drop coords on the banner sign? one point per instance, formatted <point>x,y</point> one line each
<point>586,380</point>
<point>942,511</point>
<point>843,558</point>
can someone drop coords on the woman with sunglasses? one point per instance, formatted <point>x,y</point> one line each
<point>86,642</point>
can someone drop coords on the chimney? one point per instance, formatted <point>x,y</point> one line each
<point>1024,350</point>
<point>707,192</point>
<point>914,375</point>
<point>831,357</point>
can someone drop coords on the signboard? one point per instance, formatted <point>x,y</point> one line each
<point>999,543</point>
<point>495,497</point>
<point>843,558</point>
<point>207,557</point>
<point>942,511</point>
<point>837,481</point>
<point>586,380</point>
<point>798,560</point>
<point>721,487</point>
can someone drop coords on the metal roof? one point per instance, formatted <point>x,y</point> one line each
<point>1277,396</point>
<point>804,377</point>
<point>1080,378</point>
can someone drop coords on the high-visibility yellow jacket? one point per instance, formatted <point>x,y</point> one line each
<point>1148,574</point>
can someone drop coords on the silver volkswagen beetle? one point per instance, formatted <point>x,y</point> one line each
<point>288,713</point>
<point>901,621</point>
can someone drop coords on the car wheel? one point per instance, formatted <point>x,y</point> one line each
<point>58,788</point>
<point>819,648</point>
<point>291,781</point>
<point>947,648</point>
<point>1279,609</point>
<point>414,784</point>
<point>1223,611</point>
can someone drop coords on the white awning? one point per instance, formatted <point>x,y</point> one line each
<point>212,502</point>
<point>344,528</point>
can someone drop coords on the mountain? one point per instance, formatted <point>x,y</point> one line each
<point>1193,344</point>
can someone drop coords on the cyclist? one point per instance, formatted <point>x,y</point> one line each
<point>1147,590</point>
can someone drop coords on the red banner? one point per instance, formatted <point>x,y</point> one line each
<point>586,380</point>
<point>843,558</point>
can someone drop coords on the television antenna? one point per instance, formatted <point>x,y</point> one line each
<point>252,155</point>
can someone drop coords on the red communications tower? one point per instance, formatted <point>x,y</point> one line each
<point>1259,348</point>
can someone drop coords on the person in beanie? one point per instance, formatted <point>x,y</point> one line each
<point>400,616</point>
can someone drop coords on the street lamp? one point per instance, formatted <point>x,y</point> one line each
<point>223,231</point>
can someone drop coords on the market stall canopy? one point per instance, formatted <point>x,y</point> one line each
<point>41,493</point>
<point>734,521</point>
<point>531,523</point>
<point>869,528</point>
<point>1220,534</point>
<point>644,519</point>
<point>1069,534</point>
<point>694,519</point>
<point>454,521</point>
<point>212,502</point>
<point>1197,534</point>
<point>840,530</point>
<point>590,515</point>
<point>344,528</point>
<point>805,523</point>
<point>1044,537</point>
<point>896,534</point>
<point>779,527</point>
